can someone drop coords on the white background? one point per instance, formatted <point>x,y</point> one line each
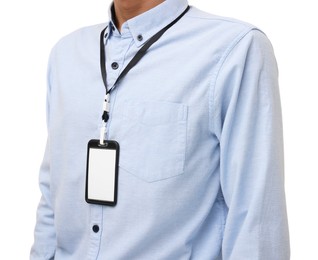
<point>28,30</point>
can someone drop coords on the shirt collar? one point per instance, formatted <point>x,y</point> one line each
<point>145,25</point>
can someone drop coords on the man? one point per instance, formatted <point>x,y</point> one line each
<point>198,122</point>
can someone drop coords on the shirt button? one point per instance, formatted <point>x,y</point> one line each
<point>140,38</point>
<point>115,65</point>
<point>95,228</point>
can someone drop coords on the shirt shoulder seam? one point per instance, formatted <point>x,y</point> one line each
<point>221,18</point>
<point>214,77</point>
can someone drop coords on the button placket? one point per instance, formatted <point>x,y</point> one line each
<point>96,224</point>
<point>115,56</point>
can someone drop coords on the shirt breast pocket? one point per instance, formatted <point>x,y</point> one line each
<point>153,145</point>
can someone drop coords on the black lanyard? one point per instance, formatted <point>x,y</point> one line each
<point>134,60</point>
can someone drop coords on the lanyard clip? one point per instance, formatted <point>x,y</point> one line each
<point>106,107</point>
<point>102,135</point>
<point>105,117</point>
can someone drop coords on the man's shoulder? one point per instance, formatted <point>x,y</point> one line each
<point>225,28</point>
<point>85,35</point>
<point>206,17</point>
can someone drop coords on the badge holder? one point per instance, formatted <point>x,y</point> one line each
<point>102,172</point>
<point>102,168</point>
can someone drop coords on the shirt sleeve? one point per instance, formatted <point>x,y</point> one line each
<point>248,123</point>
<point>44,234</point>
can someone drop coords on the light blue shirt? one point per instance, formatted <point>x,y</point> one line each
<point>198,121</point>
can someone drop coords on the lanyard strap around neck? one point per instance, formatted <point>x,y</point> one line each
<point>136,58</point>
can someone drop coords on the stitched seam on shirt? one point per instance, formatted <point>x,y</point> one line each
<point>214,103</point>
<point>223,216</point>
<point>212,100</point>
<point>51,76</point>
<point>221,19</point>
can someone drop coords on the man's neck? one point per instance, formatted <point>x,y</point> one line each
<point>127,9</point>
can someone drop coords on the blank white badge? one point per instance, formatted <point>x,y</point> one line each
<point>102,173</point>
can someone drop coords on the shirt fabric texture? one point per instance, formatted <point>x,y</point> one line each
<point>199,125</point>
